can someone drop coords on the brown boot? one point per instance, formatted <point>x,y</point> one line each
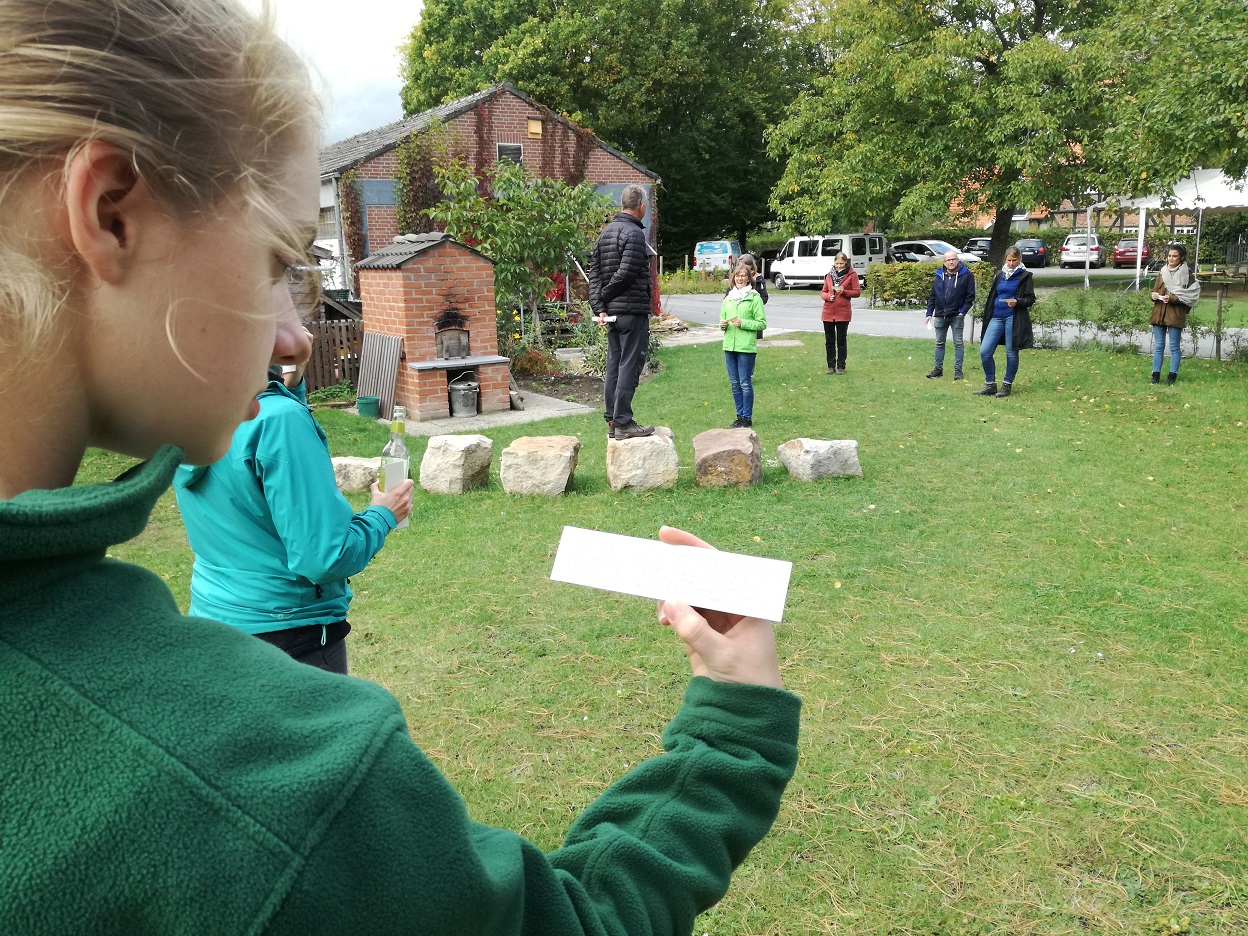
<point>990,389</point>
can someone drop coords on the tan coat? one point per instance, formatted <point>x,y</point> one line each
<point>1172,314</point>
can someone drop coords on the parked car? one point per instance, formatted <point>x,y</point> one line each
<point>1035,254</point>
<point>715,255</point>
<point>1076,251</point>
<point>900,256</point>
<point>978,246</point>
<point>805,261</point>
<point>1124,254</point>
<point>934,250</point>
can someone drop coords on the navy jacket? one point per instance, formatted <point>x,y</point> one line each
<point>952,293</point>
<point>619,277</point>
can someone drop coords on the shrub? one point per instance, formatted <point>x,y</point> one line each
<point>685,282</point>
<point>333,394</point>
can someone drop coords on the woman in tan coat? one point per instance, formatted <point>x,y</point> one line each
<point>1175,291</point>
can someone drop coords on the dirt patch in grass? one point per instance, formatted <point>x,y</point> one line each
<point>577,388</point>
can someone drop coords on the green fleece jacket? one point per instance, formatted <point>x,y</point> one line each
<point>753,320</point>
<point>167,775</point>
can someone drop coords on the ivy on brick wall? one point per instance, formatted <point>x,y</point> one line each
<point>416,186</point>
<point>352,204</point>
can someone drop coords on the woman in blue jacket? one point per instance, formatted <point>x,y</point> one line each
<point>742,317</point>
<point>1006,320</point>
<point>273,537</point>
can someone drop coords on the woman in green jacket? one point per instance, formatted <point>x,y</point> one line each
<point>166,775</point>
<point>741,316</point>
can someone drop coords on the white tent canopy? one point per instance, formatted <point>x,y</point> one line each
<point>1203,190</point>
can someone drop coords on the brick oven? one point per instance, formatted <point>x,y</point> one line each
<point>437,296</point>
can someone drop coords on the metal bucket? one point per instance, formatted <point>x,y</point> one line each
<point>463,390</point>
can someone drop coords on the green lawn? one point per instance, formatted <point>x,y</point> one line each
<point>1021,638</point>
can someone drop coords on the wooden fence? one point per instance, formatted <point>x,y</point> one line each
<point>335,354</point>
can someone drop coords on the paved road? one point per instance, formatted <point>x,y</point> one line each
<point>799,309</point>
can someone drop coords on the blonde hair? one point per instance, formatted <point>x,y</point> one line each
<point>1013,253</point>
<point>204,98</point>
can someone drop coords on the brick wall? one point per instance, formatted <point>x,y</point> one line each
<point>407,301</point>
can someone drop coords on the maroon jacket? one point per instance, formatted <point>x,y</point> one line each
<point>840,309</point>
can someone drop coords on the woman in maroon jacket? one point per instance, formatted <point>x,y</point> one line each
<point>839,287</point>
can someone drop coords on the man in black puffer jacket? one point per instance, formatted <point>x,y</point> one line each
<point>619,295</point>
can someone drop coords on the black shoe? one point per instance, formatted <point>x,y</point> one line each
<point>1004,391</point>
<point>990,389</point>
<point>746,422</point>
<point>736,423</point>
<point>957,375</point>
<point>935,372</point>
<point>1171,378</point>
<point>630,430</point>
<point>1156,378</point>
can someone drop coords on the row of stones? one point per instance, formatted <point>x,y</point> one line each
<point>546,465</point>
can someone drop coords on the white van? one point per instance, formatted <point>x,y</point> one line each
<point>716,255</point>
<point>805,261</point>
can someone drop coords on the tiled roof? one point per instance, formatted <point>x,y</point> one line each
<point>349,153</point>
<point>406,246</point>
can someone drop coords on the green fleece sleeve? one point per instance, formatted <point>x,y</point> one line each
<point>653,851</point>
<point>324,539</point>
<point>755,314</point>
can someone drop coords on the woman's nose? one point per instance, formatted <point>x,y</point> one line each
<point>292,344</point>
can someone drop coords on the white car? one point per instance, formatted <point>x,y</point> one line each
<point>933,250</point>
<point>1075,252</point>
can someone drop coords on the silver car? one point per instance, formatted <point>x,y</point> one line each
<point>1076,252</point>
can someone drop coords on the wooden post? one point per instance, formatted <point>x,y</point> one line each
<point>1217,327</point>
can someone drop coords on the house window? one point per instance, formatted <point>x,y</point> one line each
<point>535,128</point>
<point>327,224</point>
<point>511,151</point>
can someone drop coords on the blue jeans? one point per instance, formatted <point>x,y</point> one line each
<point>1159,347</point>
<point>741,379</point>
<point>943,324</point>
<point>999,329</point>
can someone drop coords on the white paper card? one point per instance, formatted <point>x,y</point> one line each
<point>705,578</point>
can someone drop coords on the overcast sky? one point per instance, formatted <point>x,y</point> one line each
<point>352,44</point>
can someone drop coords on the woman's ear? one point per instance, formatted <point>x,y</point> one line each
<point>104,201</point>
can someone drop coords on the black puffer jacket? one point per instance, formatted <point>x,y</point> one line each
<point>619,277</point>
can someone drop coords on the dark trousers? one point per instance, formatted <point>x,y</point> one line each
<point>321,645</point>
<point>627,339</point>
<point>834,342</point>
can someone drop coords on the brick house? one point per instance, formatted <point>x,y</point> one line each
<point>500,122</point>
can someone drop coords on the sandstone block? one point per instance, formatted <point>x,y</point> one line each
<point>454,464</point>
<point>643,464</point>
<point>354,473</point>
<point>539,465</point>
<point>727,458</point>
<point>812,459</point>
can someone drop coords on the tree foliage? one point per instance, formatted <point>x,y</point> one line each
<point>923,105</point>
<point>529,226</point>
<point>686,86</point>
<point>1184,91</point>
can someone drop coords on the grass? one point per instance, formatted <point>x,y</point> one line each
<point>1021,640</point>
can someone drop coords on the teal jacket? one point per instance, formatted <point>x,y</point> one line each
<point>274,539</point>
<point>166,776</point>
<point>753,320</point>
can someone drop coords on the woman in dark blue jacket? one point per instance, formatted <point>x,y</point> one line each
<point>1007,321</point>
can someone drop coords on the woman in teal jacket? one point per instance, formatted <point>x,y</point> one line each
<point>742,317</point>
<point>274,539</point>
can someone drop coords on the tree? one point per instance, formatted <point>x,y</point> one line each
<point>1184,100</point>
<point>530,227</point>
<point>925,105</point>
<point>687,86</point>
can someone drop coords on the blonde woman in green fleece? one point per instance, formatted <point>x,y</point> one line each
<point>166,775</point>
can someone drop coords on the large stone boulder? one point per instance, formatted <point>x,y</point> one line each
<point>643,464</point>
<point>539,465</point>
<point>727,458</point>
<point>355,474</point>
<point>812,459</point>
<point>456,463</point>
